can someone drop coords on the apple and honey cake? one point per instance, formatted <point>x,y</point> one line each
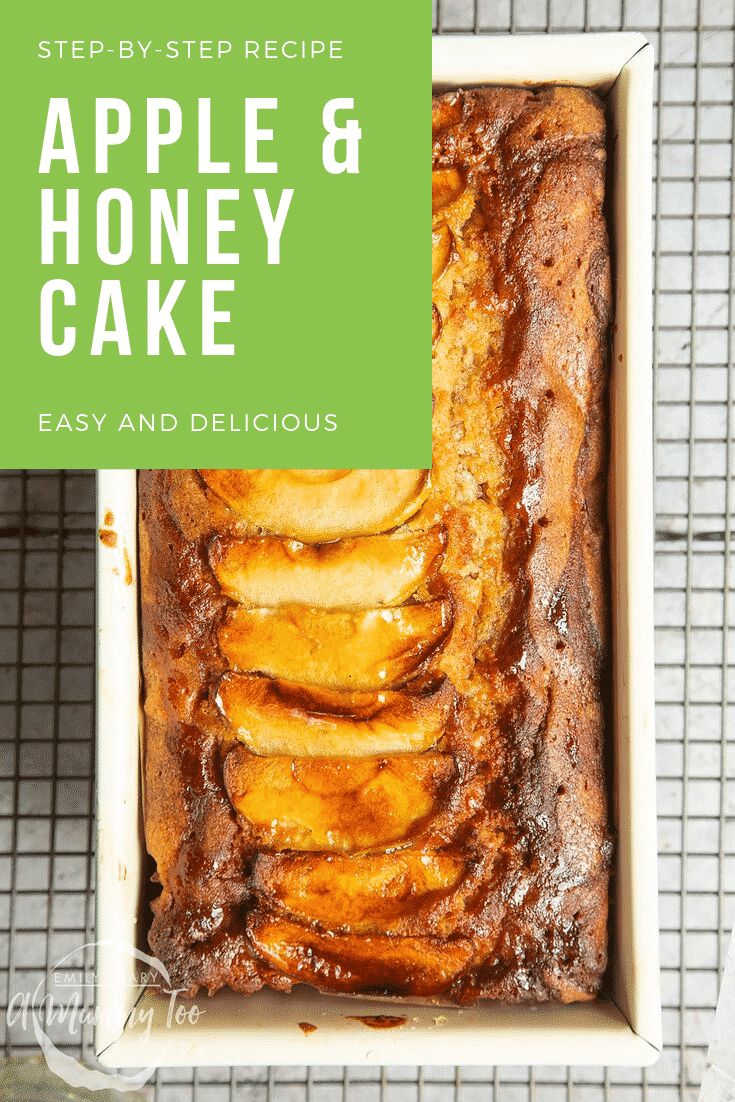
<point>373,737</point>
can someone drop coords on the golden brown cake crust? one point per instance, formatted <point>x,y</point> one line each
<point>499,889</point>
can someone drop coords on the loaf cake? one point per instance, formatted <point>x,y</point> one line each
<point>373,734</point>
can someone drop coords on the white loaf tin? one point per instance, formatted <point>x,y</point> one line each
<point>623,1026</point>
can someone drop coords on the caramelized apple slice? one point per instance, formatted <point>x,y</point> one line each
<point>446,186</point>
<point>441,249</point>
<point>278,717</point>
<point>315,505</point>
<point>343,962</point>
<point>436,324</point>
<point>446,112</point>
<point>345,804</point>
<point>353,573</point>
<point>370,650</point>
<point>364,892</point>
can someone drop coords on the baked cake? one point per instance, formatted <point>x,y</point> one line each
<point>373,739</point>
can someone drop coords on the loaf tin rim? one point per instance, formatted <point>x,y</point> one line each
<point>599,1032</point>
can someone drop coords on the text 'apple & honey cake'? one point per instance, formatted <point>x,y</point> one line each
<point>373,738</point>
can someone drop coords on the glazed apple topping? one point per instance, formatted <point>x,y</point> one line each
<point>277,718</point>
<point>365,650</point>
<point>441,249</point>
<point>343,804</point>
<point>421,966</point>
<point>436,324</point>
<point>368,572</point>
<point>319,505</point>
<point>446,186</point>
<point>362,892</point>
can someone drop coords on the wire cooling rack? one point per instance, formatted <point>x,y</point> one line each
<point>47,635</point>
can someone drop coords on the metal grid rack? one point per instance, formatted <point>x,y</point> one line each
<point>46,623</point>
